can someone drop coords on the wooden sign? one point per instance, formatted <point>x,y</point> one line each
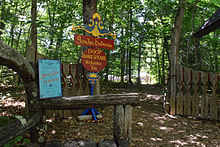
<point>93,42</point>
<point>93,77</point>
<point>94,59</point>
<point>49,78</point>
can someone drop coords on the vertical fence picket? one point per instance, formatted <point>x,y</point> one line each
<point>195,98</point>
<point>65,74</point>
<point>187,100</point>
<point>179,97</point>
<point>214,99</point>
<point>204,98</point>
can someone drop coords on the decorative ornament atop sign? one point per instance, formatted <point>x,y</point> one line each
<point>95,28</point>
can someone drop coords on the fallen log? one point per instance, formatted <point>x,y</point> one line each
<point>88,101</point>
<point>16,127</point>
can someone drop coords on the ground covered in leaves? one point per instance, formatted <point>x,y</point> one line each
<point>151,126</point>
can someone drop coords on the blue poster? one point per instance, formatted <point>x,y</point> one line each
<point>49,78</point>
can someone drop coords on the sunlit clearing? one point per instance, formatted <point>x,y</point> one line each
<point>156,139</point>
<point>11,102</point>
<point>158,117</point>
<point>150,96</point>
<point>53,131</point>
<point>140,124</point>
<point>191,137</point>
<point>166,129</point>
<point>181,131</point>
<point>180,142</point>
<point>203,137</point>
<point>49,120</point>
<point>171,116</point>
<point>5,113</point>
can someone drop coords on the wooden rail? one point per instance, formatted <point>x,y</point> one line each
<point>81,102</point>
<point>16,128</point>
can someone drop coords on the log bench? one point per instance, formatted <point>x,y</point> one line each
<point>123,104</point>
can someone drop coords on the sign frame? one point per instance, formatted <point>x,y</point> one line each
<point>50,82</point>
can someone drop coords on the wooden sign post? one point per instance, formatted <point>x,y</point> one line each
<point>94,59</point>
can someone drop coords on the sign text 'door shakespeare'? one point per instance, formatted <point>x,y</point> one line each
<point>93,42</point>
<point>94,59</point>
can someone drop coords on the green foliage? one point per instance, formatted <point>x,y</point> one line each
<point>152,21</point>
<point>4,120</point>
<point>18,141</point>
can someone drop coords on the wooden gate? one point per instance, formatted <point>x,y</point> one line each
<point>198,93</point>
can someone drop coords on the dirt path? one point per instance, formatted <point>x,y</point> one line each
<point>151,126</point>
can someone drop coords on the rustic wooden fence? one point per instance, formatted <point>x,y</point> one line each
<point>74,83</point>
<point>197,94</point>
<point>122,102</point>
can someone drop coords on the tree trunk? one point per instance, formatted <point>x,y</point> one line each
<point>108,51</point>
<point>31,87</point>
<point>19,36</point>
<point>139,61</point>
<point>122,57</point>
<point>12,35</point>
<point>89,8</point>
<point>216,53</point>
<point>2,24</point>
<point>52,19</point>
<point>59,42</point>
<point>175,35</point>
<point>198,61</point>
<point>130,50</point>
<point>165,47</point>
<point>158,63</point>
<point>14,60</point>
<point>192,31</point>
<point>31,51</point>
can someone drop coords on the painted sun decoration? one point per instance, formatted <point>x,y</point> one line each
<point>95,28</point>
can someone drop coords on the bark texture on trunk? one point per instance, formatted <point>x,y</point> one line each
<point>31,51</point>
<point>174,51</point>
<point>14,60</point>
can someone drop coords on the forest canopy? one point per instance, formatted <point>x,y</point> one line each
<point>143,30</point>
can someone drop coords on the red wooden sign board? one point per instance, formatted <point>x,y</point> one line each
<point>93,41</point>
<point>94,59</point>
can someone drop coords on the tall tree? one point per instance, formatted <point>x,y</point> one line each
<point>175,35</point>
<point>130,46</point>
<point>108,51</point>
<point>2,23</point>
<point>89,8</point>
<point>31,52</point>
